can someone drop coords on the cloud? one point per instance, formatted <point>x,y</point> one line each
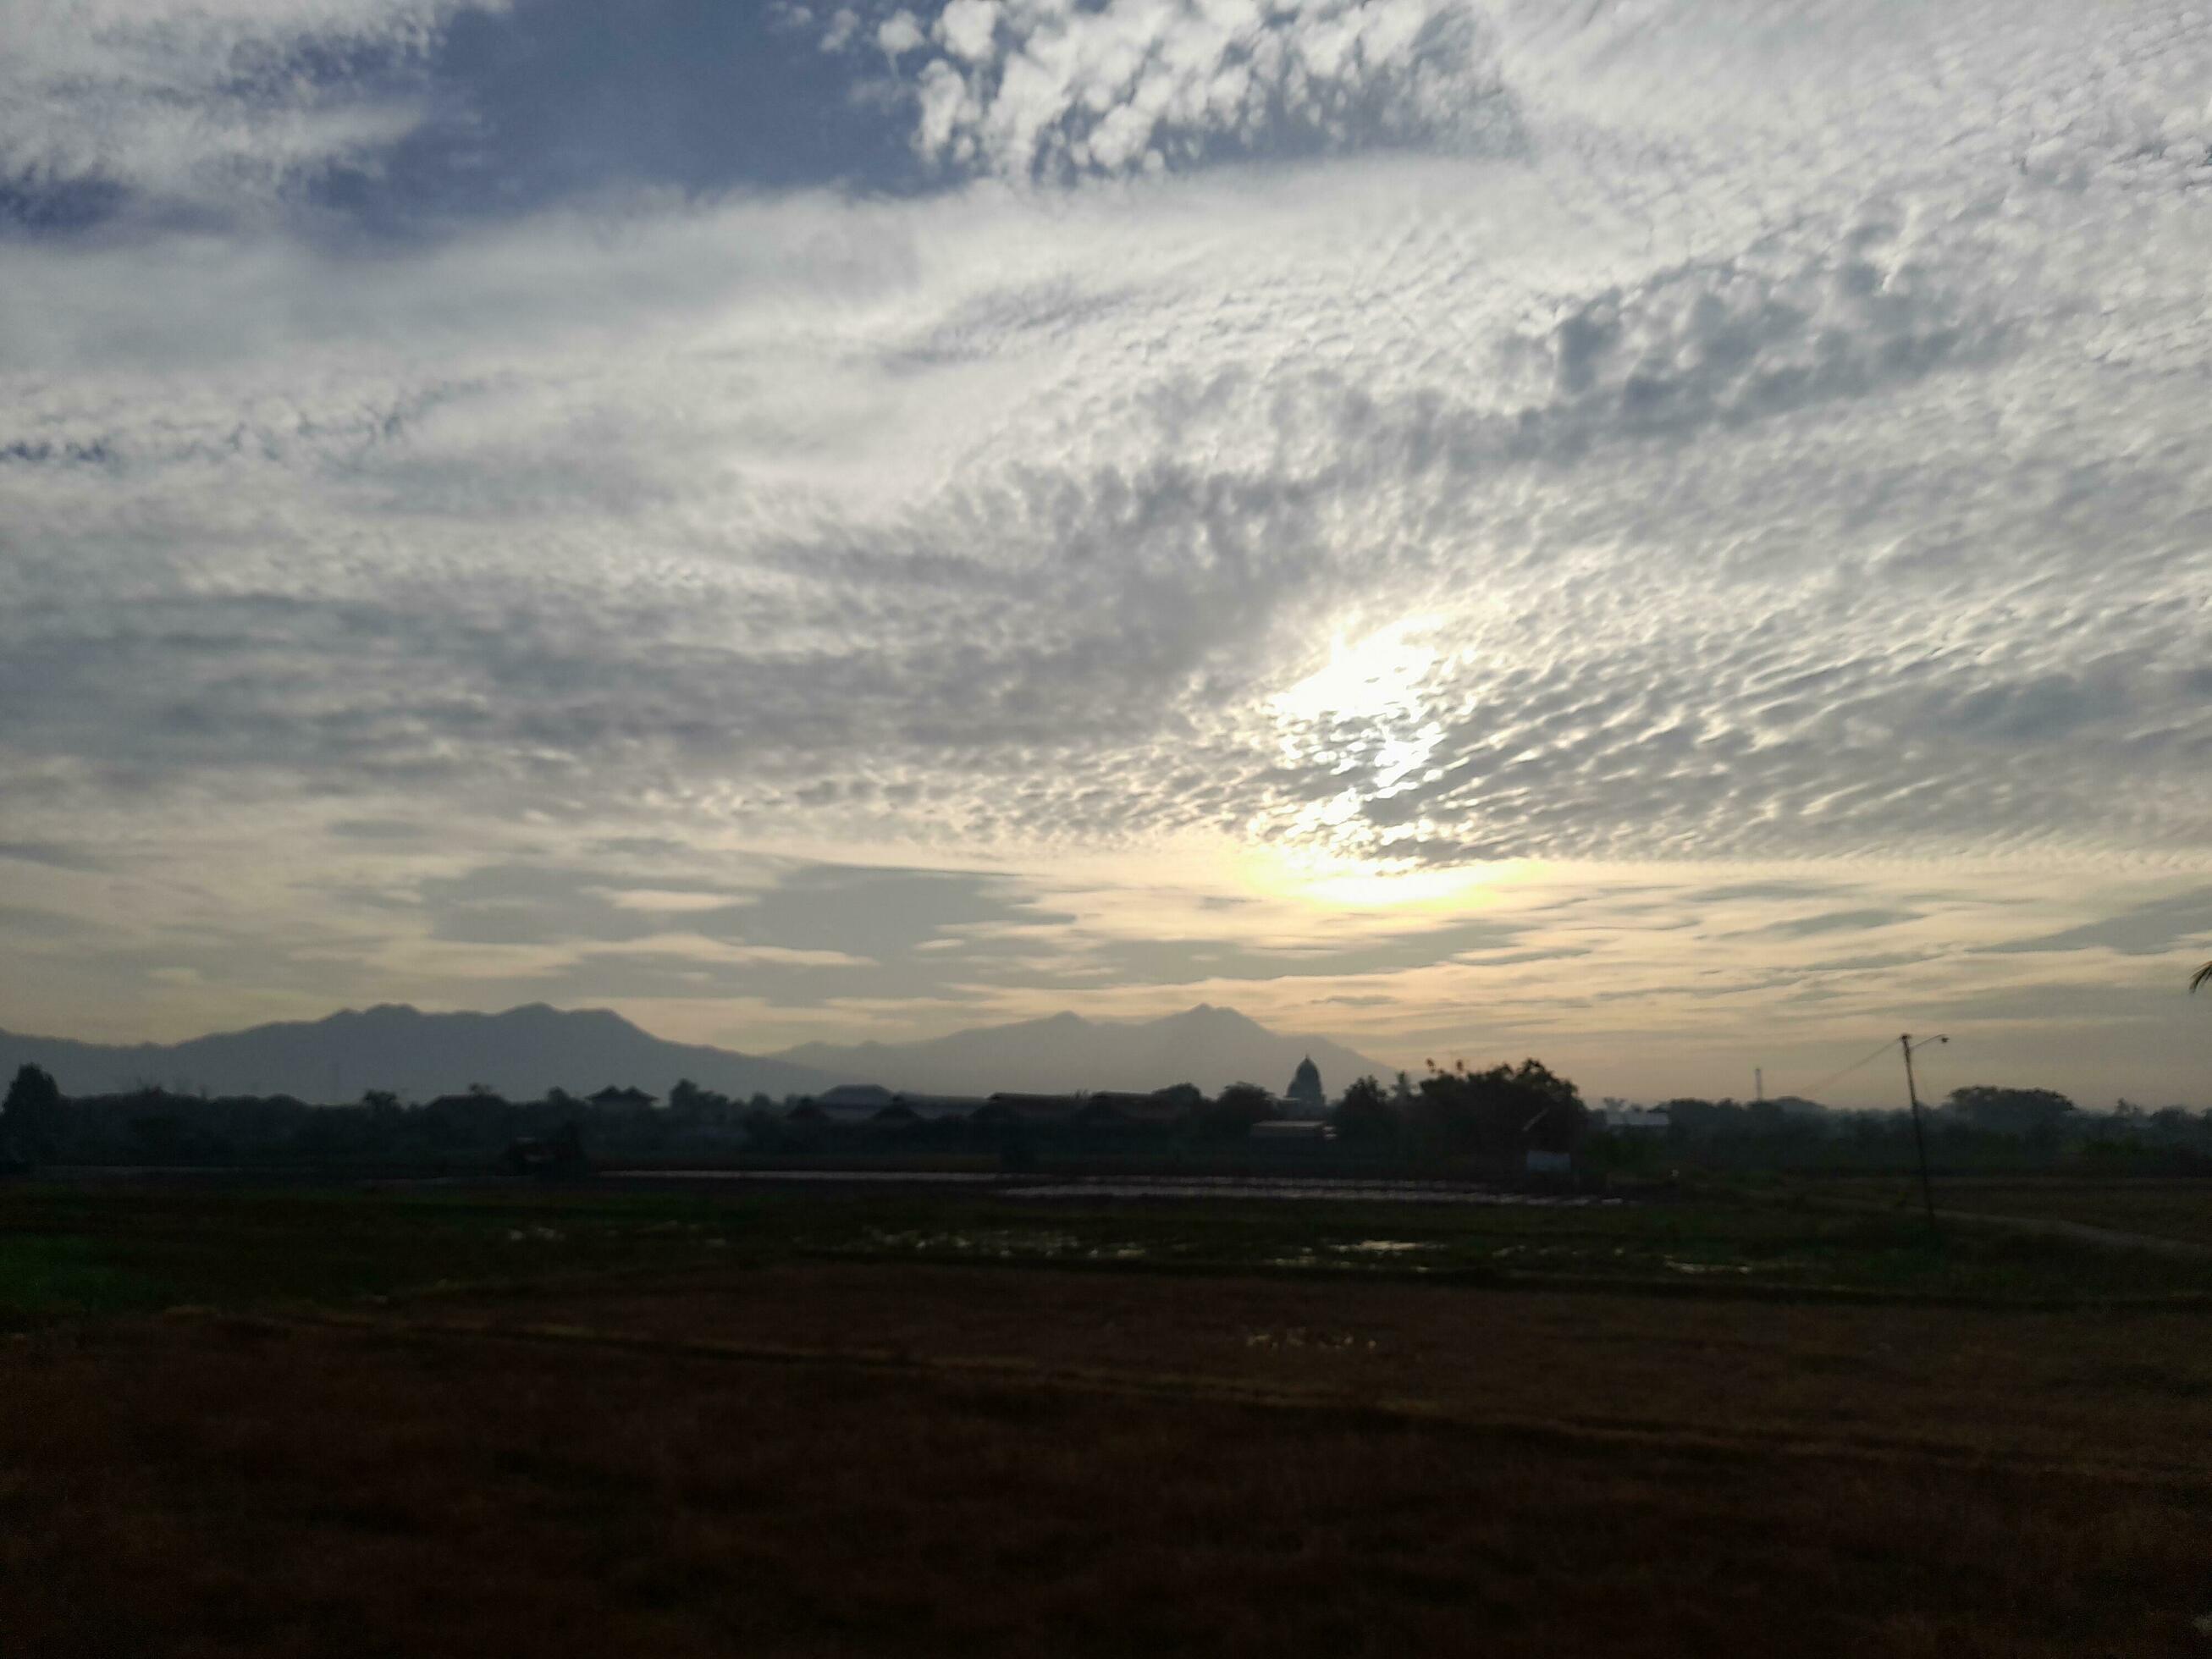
<point>2146,930</point>
<point>1026,89</point>
<point>199,104</point>
<point>1834,921</point>
<point>795,935</point>
<point>1571,438</point>
<point>26,922</point>
<point>1706,559</point>
<point>1748,339</point>
<point>55,854</point>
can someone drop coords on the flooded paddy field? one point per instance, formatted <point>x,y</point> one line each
<point>1261,1189</point>
<point>1298,1189</point>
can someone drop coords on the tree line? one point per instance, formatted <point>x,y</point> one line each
<point>1458,1114</point>
<point>477,1126</point>
<point>1488,1118</point>
<point>1497,1115</point>
<point>1981,1126</point>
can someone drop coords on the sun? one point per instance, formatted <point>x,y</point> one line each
<point>1372,678</point>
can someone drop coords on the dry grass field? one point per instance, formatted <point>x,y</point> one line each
<point>684,1447</point>
<point>2177,1210</point>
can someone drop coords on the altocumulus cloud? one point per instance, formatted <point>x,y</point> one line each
<point>202,107</point>
<point>1029,88</point>
<point>1406,431</point>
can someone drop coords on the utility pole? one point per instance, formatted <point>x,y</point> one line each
<point>1905,1045</point>
<point>1759,1084</point>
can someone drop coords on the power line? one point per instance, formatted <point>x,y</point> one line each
<point>1905,1046</point>
<point>1813,1093</point>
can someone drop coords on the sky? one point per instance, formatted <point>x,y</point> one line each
<point>1667,535</point>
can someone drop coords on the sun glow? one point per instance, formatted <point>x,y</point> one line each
<point>1333,881</point>
<point>1372,678</point>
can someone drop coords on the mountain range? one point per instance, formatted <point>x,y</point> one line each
<point>1208,1046</point>
<point>520,1053</point>
<point>524,1052</point>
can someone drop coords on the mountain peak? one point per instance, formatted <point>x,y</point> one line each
<point>521,1052</point>
<point>1206,1014</point>
<point>540,1013</point>
<point>1064,1052</point>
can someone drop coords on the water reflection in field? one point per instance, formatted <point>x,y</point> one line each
<point>1265,1187</point>
<point>1255,1187</point>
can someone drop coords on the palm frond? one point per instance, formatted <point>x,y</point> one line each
<point>2203,976</point>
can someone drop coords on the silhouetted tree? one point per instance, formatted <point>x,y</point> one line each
<point>1366,1116</point>
<point>2172,1123</point>
<point>2035,1115</point>
<point>1499,1113</point>
<point>161,1136</point>
<point>1558,1123</point>
<point>765,1128</point>
<point>691,1106</point>
<point>1234,1112</point>
<point>567,1146</point>
<point>31,1118</point>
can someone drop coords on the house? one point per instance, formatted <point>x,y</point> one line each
<point>848,1096</point>
<point>472,1102</point>
<point>1634,1121</point>
<point>1109,1110</point>
<point>846,1105</point>
<point>907,1110</point>
<point>1293,1132</point>
<point>1027,1111</point>
<point>563,1154</point>
<point>935,1108</point>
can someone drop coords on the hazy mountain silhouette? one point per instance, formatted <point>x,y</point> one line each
<point>521,1053</point>
<point>526,1051</point>
<point>1208,1046</point>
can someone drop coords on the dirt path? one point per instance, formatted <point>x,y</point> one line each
<point>2111,1237</point>
<point>2052,1227</point>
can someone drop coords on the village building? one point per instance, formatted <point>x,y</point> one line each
<point>1130,1111</point>
<point>848,1102</point>
<point>1027,1111</point>
<point>1634,1119</point>
<point>933,1108</point>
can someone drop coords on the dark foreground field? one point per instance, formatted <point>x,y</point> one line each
<point>234,1423</point>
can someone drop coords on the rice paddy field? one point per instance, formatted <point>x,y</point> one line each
<point>2176,1210</point>
<point>842,1418</point>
